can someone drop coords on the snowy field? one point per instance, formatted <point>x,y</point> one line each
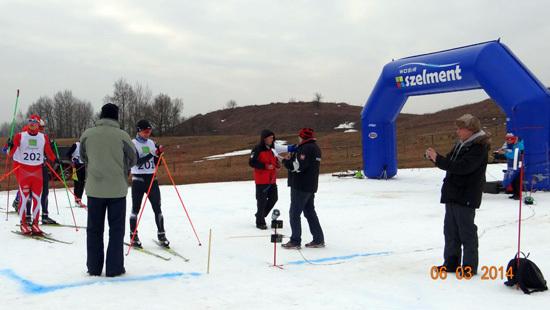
<point>382,239</point>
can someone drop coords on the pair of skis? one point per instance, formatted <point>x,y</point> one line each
<point>44,238</point>
<point>168,249</point>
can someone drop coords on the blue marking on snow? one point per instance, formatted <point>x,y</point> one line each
<point>322,260</point>
<point>30,287</point>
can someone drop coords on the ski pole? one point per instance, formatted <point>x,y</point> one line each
<point>55,196</point>
<point>72,212</point>
<point>190,222</point>
<point>144,203</point>
<point>61,169</point>
<point>7,175</point>
<point>8,152</point>
<point>519,222</point>
<point>67,187</point>
<point>12,171</point>
<point>11,132</point>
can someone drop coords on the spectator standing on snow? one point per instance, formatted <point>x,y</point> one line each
<point>108,154</point>
<point>148,154</point>
<point>28,149</point>
<point>303,167</point>
<point>78,165</point>
<point>513,177</point>
<point>461,193</point>
<point>265,165</point>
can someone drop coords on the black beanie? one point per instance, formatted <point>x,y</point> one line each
<point>142,125</point>
<point>109,110</point>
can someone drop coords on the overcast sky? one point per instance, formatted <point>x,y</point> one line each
<point>254,52</point>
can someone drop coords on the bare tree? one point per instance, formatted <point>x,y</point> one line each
<point>139,106</point>
<point>44,108</point>
<point>317,97</point>
<point>165,113</point>
<point>231,104</point>
<point>122,97</point>
<point>83,117</point>
<point>5,129</point>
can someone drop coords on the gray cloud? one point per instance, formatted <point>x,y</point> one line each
<point>254,52</point>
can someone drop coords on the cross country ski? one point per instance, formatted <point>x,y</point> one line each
<point>171,251</point>
<point>141,249</point>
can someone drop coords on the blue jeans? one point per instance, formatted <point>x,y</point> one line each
<point>116,215</point>
<point>301,201</point>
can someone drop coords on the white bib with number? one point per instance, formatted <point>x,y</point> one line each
<point>147,147</point>
<point>31,150</point>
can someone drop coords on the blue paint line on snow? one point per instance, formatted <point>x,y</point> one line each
<point>30,287</point>
<point>328,259</point>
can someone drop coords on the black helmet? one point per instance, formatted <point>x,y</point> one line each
<point>143,125</point>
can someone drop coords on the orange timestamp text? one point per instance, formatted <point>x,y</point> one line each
<point>488,273</point>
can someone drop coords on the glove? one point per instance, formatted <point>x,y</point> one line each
<point>75,160</point>
<point>160,150</point>
<point>292,148</point>
<point>10,143</point>
<point>57,161</point>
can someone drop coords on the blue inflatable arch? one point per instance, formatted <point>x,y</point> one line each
<point>490,66</point>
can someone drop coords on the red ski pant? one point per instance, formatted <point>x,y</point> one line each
<point>30,183</point>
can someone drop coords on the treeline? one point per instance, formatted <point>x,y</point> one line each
<point>67,116</point>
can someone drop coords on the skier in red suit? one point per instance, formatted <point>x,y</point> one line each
<point>28,148</point>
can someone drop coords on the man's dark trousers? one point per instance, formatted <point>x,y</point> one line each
<point>116,215</point>
<point>460,231</point>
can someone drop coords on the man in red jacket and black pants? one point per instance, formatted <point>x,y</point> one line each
<point>265,165</point>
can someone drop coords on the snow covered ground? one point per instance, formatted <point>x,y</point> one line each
<point>382,239</point>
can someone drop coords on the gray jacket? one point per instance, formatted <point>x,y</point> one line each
<point>108,153</point>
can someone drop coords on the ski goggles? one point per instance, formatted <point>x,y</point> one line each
<point>146,130</point>
<point>33,120</point>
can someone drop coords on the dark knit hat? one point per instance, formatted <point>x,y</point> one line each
<point>109,110</point>
<point>306,133</point>
<point>143,124</point>
<point>468,121</point>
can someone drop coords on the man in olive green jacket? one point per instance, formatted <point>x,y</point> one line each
<point>108,153</point>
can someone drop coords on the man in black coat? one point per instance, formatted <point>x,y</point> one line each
<point>461,193</point>
<point>303,167</point>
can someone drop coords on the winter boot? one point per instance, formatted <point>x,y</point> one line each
<point>35,229</point>
<point>15,204</point>
<point>46,220</point>
<point>136,243</point>
<point>315,245</point>
<point>162,239</point>
<point>25,228</point>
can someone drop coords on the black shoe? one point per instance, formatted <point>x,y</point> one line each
<point>291,246</point>
<point>46,220</point>
<point>15,204</point>
<point>466,272</point>
<point>116,274</point>
<point>262,227</point>
<point>315,245</point>
<point>94,274</point>
<point>162,239</point>
<point>136,242</point>
<point>514,197</point>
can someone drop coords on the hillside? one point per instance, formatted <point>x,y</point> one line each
<point>192,142</point>
<point>324,117</point>
<point>278,117</point>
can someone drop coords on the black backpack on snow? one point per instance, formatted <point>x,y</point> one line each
<point>527,275</point>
